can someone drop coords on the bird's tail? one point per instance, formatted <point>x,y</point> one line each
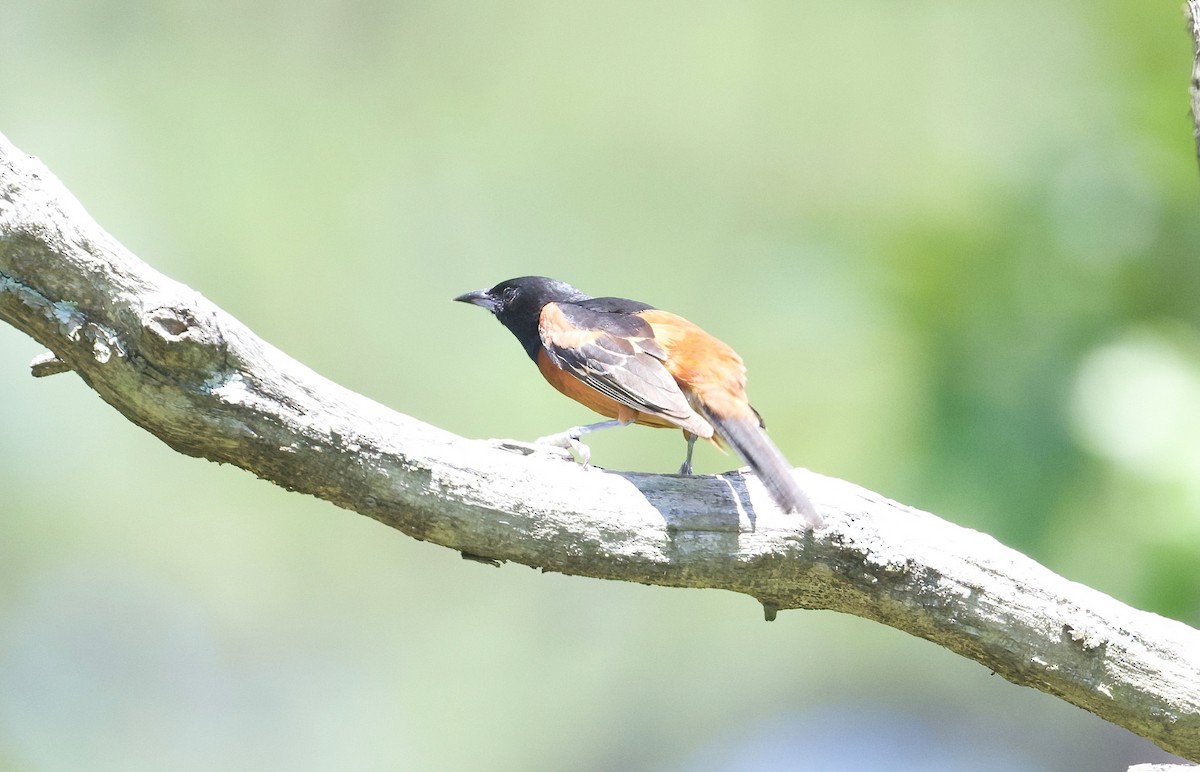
<point>750,441</point>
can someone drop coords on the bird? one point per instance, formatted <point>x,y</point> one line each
<point>637,364</point>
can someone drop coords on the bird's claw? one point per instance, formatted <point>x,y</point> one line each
<point>568,440</point>
<point>530,448</point>
<point>686,468</point>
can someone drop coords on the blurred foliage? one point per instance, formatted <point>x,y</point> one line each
<point>955,244</point>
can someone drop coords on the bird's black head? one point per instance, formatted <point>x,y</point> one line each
<point>518,304</point>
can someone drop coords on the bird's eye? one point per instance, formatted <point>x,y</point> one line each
<point>509,293</point>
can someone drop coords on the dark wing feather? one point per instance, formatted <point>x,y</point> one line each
<point>613,305</point>
<point>615,354</point>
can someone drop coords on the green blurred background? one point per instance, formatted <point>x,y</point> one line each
<point>956,246</point>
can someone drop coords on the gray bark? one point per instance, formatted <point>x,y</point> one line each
<point>192,375</point>
<point>1192,11</point>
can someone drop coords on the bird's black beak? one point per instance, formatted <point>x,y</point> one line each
<point>478,298</point>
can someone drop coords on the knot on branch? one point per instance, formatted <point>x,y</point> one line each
<point>179,339</point>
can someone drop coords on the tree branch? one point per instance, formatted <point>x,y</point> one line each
<point>1192,11</point>
<point>179,367</point>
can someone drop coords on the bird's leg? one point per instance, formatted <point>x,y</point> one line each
<point>687,462</point>
<point>570,438</point>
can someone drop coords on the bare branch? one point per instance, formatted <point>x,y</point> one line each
<point>47,364</point>
<point>1192,10</point>
<point>178,366</point>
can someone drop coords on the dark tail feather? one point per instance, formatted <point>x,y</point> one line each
<point>750,441</point>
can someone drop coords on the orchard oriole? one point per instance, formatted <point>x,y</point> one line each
<point>636,364</point>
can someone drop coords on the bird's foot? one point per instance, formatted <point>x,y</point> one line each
<point>687,460</point>
<point>530,448</point>
<point>569,440</point>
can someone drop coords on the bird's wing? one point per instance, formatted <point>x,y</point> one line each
<point>616,354</point>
